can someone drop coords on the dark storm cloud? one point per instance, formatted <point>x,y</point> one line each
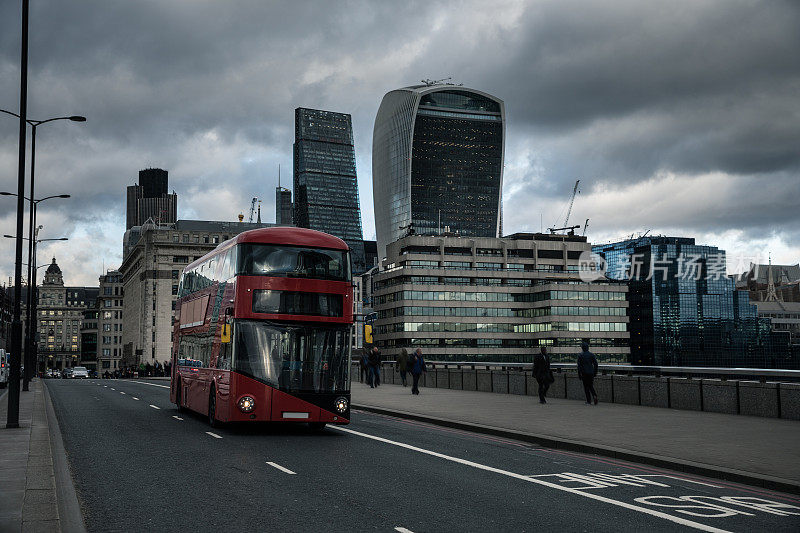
<point>628,96</point>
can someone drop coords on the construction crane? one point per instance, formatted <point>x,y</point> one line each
<point>253,203</point>
<point>571,201</point>
<point>566,225</point>
<point>570,229</point>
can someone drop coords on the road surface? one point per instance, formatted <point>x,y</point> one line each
<point>138,464</point>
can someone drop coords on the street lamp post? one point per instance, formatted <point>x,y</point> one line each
<point>30,330</point>
<point>12,418</point>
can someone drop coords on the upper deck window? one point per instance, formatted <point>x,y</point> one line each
<point>293,261</point>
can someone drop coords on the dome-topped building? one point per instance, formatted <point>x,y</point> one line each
<point>53,275</point>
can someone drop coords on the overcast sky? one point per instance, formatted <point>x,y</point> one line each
<point>680,117</point>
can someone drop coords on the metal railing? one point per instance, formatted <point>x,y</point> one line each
<point>757,374</point>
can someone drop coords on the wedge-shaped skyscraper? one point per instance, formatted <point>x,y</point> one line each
<point>437,162</point>
<point>325,184</point>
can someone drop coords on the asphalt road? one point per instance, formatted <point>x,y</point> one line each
<point>139,464</point>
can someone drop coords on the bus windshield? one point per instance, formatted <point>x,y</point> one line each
<point>294,358</point>
<point>293,261</point>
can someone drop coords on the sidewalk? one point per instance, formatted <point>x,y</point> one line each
<point>28,483</point>
<point>753,450</point>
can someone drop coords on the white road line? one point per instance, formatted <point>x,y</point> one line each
<point>154,406</point>
<point>105,386</point>
<point>213,435</point>
<point>279,467</point>
<point>177,417</point>
<point>112,388</point>
<point>644,510</point>
<point>135,398</point>
<point>145,383</point>
<point>121,392</point>
<point>403,530</point>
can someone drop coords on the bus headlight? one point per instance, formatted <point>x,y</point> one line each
<point>340,405</point>
<point>247,404</point>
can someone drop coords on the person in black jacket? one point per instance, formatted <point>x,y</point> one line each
<point>587,370</point>
<point>375,367</point>
<point>542,373</point>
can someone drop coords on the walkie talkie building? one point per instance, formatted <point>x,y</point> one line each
<point>437,162</point>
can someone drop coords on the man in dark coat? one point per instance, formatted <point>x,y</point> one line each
<point>417,364</point>
<point>587,370</point>
<point>542,373</point>
<point>375,367</point>
<point>402,365</point>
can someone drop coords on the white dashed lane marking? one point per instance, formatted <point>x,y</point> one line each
<point>154,406</point>
<point>177,417</point>
<point>279,467</point>
<point>134,397</point>
<point>213,435</point>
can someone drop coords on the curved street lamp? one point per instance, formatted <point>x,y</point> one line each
<point>34,124</point>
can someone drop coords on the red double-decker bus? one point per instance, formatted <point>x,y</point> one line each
<point>262,330</point>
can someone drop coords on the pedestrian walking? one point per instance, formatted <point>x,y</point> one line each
<point>402,365</point>
<point>542,373</point>
<point>375,367</point>
<point>587,370</point>
<point>417,364</point>
<point>363,366</point>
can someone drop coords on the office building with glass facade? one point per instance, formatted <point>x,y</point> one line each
<point>496,300</point>
<point>684,309</point>
<point>437,162</point>
<point>325,185</point>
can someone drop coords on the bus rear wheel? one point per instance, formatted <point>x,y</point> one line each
<point>179,398</point>
<point>316,427</point>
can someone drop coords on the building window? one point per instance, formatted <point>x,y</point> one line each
<point>176,238</point>
<point>186,238</point>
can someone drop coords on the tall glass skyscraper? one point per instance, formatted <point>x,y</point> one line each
<point>684,309</point>
<point>325,185</point>
<point>437,162</point>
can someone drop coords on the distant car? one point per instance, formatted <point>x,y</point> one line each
<point>92,373</point>
<point>66,373</point>
<point>80,372</point>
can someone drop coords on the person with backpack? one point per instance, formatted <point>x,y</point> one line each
<point>417,364</point>
<point>402,365</point>
<point>587,370</point>
<point>542,373</point>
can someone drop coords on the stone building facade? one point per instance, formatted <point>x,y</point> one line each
<point>60,313</point>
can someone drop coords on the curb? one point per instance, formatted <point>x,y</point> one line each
<point>69,510</point>
<point>548,441</point>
